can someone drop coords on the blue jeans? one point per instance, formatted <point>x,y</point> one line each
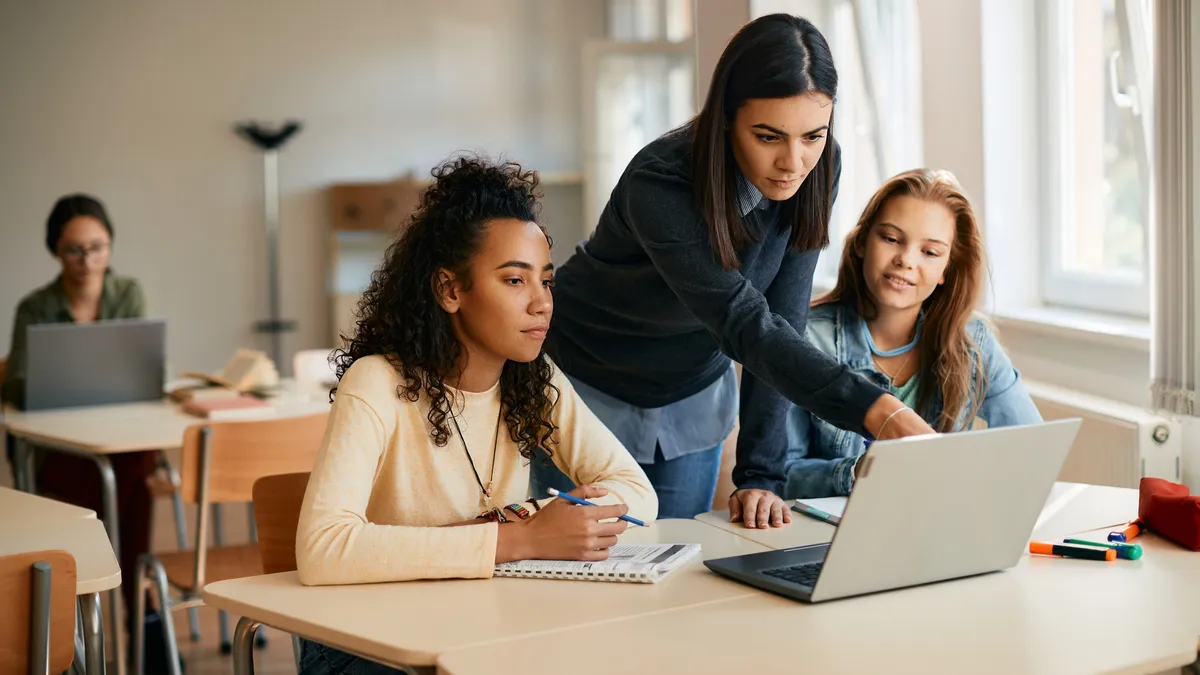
<point>319,659</point>
<point>685,485</point>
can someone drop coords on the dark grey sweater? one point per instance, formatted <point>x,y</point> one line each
<point>645,312</point>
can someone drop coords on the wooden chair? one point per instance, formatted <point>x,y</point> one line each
<point>221,462</point>
<point>37,612</point>
<point>277,501</point>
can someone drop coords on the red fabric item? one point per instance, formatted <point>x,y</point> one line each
<point>1170,510</point>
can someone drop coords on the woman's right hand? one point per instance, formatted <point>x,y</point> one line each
<point>564,531</point>
<point>902,424</point>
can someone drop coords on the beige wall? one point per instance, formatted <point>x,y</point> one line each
<point>135,102</point>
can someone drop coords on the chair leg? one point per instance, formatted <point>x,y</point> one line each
<point>218,530</point>
<point>138,644</point>
<point>168,622</point>
<point>180,534</point>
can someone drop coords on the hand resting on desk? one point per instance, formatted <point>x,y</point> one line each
<point>759,508</point>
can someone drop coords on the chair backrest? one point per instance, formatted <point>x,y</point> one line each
<point>17,605</point>
<point>240,453</point>
<point>277,501</point>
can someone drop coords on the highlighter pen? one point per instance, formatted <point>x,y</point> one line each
<point>583,502</point>
<point>820,515</point>
<point>1132,530</point>
<point>1072,551</point>
<point>1124,551</point>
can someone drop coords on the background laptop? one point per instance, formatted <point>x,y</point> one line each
<point>122,361</point>
<point>923,509</point>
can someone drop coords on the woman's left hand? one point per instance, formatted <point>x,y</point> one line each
<point>758,508</point>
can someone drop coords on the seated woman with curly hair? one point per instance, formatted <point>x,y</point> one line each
<point>444,394</point>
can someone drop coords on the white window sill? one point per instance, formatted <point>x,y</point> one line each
<point>1074,324</point>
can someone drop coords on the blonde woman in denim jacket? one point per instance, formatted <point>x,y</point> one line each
<point>903,315</point>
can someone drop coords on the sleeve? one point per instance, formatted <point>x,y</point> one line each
<point>133,305</point>
<point>13,389</point>
<point>809,475</point>
<point>335,544</point>
<point>589,454</point>
<point>763,332</point>
<point>1007,401</point>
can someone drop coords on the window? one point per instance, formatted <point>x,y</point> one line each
<point>874,45</point>
<point>1096,56</point>
<point>638,84</point>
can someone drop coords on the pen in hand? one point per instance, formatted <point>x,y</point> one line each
<point>583,502</point>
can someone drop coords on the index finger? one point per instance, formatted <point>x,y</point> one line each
<point>606,512</point>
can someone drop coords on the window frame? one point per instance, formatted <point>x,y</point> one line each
<point>1113,292</point>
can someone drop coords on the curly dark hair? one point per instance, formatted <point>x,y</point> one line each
<point>399,316</point>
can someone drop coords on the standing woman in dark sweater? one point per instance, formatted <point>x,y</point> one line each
<point>705,254</point>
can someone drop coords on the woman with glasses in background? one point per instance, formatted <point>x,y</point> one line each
<point>79,235</point>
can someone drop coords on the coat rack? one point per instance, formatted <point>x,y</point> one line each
<point>270,142</point>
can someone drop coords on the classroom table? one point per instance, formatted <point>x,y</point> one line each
<point>412,623</point>
<point>23,509</point>
<point>96,567</point>
<point>97,432</point>
<point>1045,615</point>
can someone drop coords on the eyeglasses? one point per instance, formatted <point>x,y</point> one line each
<point>81,253</point>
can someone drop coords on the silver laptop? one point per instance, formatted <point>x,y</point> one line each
<point>99,363</point>
<point>922,510</point>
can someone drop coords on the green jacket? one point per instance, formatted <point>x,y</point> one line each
<point>121,298</point>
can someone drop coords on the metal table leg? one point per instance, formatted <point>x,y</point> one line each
<point>108,489</point>
<point>243,646</point>
<point>93,632</point>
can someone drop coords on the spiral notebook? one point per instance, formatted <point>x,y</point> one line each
<point>627,563</point>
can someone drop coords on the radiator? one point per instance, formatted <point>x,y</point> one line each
<point>1118,443</point>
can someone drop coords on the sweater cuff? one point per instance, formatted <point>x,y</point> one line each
<point>761,483</point>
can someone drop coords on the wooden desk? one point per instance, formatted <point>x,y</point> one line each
<point>1046,615</point>
<point>412,623</point>
<point>97,432</point>
<point>96,569</point>
<point>21,509</point>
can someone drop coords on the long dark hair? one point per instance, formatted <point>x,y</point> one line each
<point>399,316</point>
<point>774,56</point>
<point>68,208</point>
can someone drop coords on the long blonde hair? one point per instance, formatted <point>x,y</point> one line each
<point>949,356</point>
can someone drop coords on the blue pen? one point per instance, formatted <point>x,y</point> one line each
<point>583,502</point>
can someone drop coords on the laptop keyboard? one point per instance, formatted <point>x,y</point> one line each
<point>804,575</point>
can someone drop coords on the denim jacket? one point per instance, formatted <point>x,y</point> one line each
<point>821,457</point>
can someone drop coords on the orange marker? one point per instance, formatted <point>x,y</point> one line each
<point>1083,552</point>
